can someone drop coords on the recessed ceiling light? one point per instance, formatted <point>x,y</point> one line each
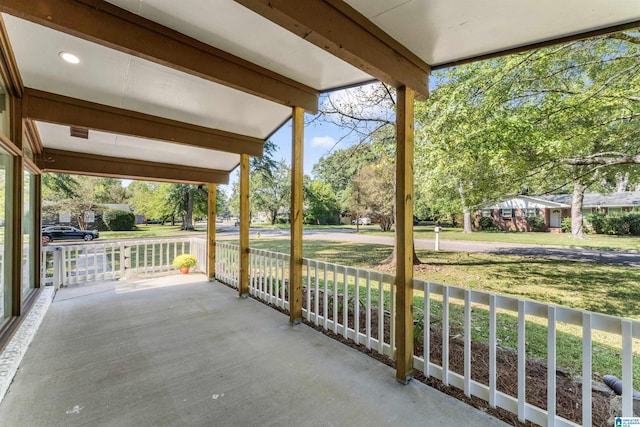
<point>69,57</point>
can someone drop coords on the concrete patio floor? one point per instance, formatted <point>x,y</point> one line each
<point>180,351</point>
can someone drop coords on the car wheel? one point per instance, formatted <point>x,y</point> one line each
<point>88,237</point>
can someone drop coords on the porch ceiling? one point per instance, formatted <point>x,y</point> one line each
<point>220,65</point>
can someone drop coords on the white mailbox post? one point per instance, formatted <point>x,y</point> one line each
<point>437,229</point>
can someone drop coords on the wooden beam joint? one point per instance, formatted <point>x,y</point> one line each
<point>110,26</point>
<point>338,28</point>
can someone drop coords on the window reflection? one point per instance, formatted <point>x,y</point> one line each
<point>28,282</point>
<point>6,165</point>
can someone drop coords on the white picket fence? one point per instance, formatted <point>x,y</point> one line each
<point>90,262</point>
<point>370,320</point>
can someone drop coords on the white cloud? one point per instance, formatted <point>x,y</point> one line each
<point>327,142</point>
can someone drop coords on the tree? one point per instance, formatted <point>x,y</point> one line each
<point>321,203</point>
<point>374,187</point>
<point>557,117</point>
<point>79,194</point>
<point>271,192</point>
<point>368,114</point>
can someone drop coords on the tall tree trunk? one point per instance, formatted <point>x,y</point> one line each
<point>466,216</point>
<point>392,259</point>
<point>187,220</point>
<point>579,189</point>
<point>466,212</point>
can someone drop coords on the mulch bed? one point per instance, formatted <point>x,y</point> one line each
<point>568,391</point>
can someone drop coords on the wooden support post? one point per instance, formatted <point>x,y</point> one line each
<point>243,285</point>
<point>295,267</point>
<point>211,232</point>
<point>404,235</point>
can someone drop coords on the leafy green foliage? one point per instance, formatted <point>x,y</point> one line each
<point>486,223</point>
<point>321,205</point>
<point>615,225</point>
<point>536,223</point>
<point>535,122</point>
<point>566,225</point>
<point>119,220</point>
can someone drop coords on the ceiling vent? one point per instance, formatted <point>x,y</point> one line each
<point>80,132</point>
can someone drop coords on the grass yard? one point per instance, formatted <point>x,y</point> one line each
<point>612,290</point>
<point>607,289</point>
<point>590,241</point>
<point>152,230</point>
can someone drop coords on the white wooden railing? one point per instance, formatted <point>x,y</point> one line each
<point>90,262</point>
<point>329,288</point>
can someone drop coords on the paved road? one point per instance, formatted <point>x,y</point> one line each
<point>628,258</point>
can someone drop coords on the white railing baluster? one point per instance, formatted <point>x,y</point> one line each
<point>627,368</point>
<point>587,373</point>
<point>467,343</point>
<point>356,307</point>
<point>381,314</point>
<point>445,335</point>
<point>492,350</point>
<point>522,361</point>
<point>392,310</point>
<point>345,303</point>
<point>368,311</point>
<point>315,297</point>
<point>325,298</point>
<point>551,366</point>
<point>426,329</point>
<point>335,298</point>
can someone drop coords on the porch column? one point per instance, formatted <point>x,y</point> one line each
<point>211,231</point>
<point>243,282</point>
<point>295,267</point>
<point>404,235</point>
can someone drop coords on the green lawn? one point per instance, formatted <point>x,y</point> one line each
<point>590,240</point>
<point>606,289</point>
<point>153,230</point>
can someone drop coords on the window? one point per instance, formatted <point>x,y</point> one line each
<point>506,213</point>
<point>487,213</point>
<point>530,212</point>
<point>6,173</point>
<point>29,235</point>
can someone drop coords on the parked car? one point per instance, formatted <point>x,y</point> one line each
<point>362,221</point>
<point>64,232</point>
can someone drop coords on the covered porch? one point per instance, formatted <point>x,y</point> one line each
<point>180,350</point>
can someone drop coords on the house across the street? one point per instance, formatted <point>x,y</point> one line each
<point>512,214</point>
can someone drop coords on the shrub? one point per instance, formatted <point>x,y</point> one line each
<point>597,221</point>
<point>633,221</point>
<point>566,225</point>
<point>184,260</point>
<point>536,223</point>
<point>119,220</point>
<point>486,223</point>
<point>616,225</point>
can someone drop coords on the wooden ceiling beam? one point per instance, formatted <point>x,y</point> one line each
<point>108,25</point>
<point>58,109</point>
<point>52,160</point>
<point>338,28</point>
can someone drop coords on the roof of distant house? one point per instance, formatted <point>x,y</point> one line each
<point>623,198</point>
<point>591,200</point>
<point>119,206</point>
